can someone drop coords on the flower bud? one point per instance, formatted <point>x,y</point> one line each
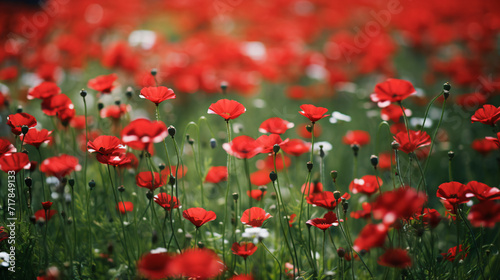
<point>309,166</point>
<point>121,188</point>
<point>336,195</point>
<point>273,176</point>
<point>161,166</point>
<point>100,106</point>
<point>24,129</point>
<point>154,237</point>
<point>395,145</point>
<point>321,152</point>
<point>213,143</point>
<point>451,155</point>
<point>28,181</point>
<point>19,109</point>
<point>355,149</point>
<point>129,92</point>
<point>154,71</point>
<point>223,86</point>
<point>334,175</point>
<point>341,252</point>
<point>374,160</point>
<point>191,142</point>
<point>25,151</point>
<point>150,195</point>
<point>83,93</point>
<point>171,180</point>
<point>91,184</point>
<point>201,245</point>
<point>276,148</point>
<point>71,182</point>
<point>171,131</point>
<point>117,102</point>
<point>262,189</point>
<point>309,128</point>
<point>345,205</point>
<point>236,196</point>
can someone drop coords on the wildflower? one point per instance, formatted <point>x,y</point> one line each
<point>367,185</point>
<point>337,116</point>
<point>453,192</point>
<point>216,174</point>
<point>356,137</point>
<point>370,236</point>
<point>296,147</point>
<point>157,94</point>
<point>56,105</point>
<point>197,263</point>
<point>243,249</point>
<point>484,146</point>
<point>166,201</point>
<point>313,113</point>
<point>140,134</point>
<point>44,215</point>
<point>392,90</point>
<point>44,90</point>
<point>275,126</point>
<point>452,253</point>
<point>104,83</point>
<point>312,188</point>
<point>417,140</point>
<point>198,216</point>
<point>14,162</point>
<point>267,142</point>
<point>393,113</point>
<point>363,214</point>
<point>484,214</point>
<point>401,203</point>
<point>150,180</point>
<point>325,200</point>
<point>488,114</point>
<point>395,258</point>
<point>17,121</point>
<point>6,147</point>
<point>242,147</point>
<point>227,109</point>
<point>256,194</point>
<point>328,220</point>
<point>254,217</point>
<point>155,265</point>
<point>37,137</point>
<point>481,191</point>
<point>258,234</point>
<point>125,206</point>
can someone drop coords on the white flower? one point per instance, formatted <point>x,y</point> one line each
<point>4,259</point>
<point>417,122</point>
<point>257,233</point>
<point>324,145</point>
<point>158,250</point>
<point>337,116</point>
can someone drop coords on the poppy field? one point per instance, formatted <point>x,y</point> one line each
<point>233,139</point>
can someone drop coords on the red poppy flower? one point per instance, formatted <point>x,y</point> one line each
<point>401,203</point>
<point>198,216</point>
<point>397,258</point>
<point>363,214</point>
<point>275,126</point>
<point>311,188</point>
<point>304,133</point>
<point>254,217</point>
<point>296,147</point>
<point>242,147</point>
<point>44,90</point>
<point>481,191</point>
<point>157,94</point>
<point>55,104</point>
<point>106,146</point>
<point>452,253</point>
<point>14,162</point>
<point>430,217</point>
<point>325,200</point>
<point>216,174</point>
<point>356,137</point>
<point>46,205</point>
<point>392,90</point>
<point>453,192</point>
<point>494,140</point>
<point>330,219</point>
<point>65,115</point>
<point>471,100</point>
<point>384,160</point>
<point>60,166</point>
<point>393,113</point>
<point>488,114</point>
<point>243,249</point>
<point>313,113</point>
<point>43,215</point>
<point>417,140</point>
<point>367,185</point>
<point>256,194</point>
<point>260,177</point>
<point>267,142</point>
<point>140,134</point>
<point>172,170</point>
<point>484,214</point>
<point>6,147</point>
<point>121,160</point>
<point>484,146</point>
<point>242,277</point>
<point>4,235</point>
<point>197,264</point>
<point>155,266</point>
<point>114,112</point>
<point>16,121</point>
<point>9,73</point>
<point>371,236</point>
<point>167,201</point>
<point>37,137</point>
<point>292,219</point>
<point>268,163</point>
<point>450,210</point>
<point>145,180</point>
<point>125,206</point>
<point>228,109</point>
<point>103,83</point>
<point>78,122</point>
